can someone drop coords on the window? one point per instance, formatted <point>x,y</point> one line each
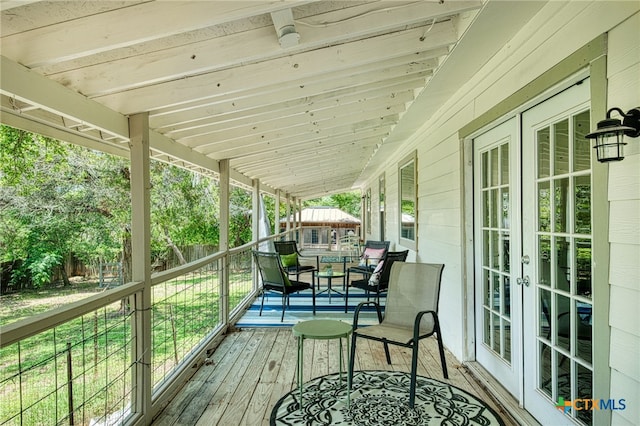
<point>408,209</point>
<point>368,210</point>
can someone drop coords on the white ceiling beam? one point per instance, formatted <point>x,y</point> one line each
<point>321,184</point>
<point>307,65</point>
<point>18,82</point>
<point>311,121</point>
<point>258,45</point>
<point>273,160</point>
<point>295,93</point>
<point>299,106</point>
<point>252,160</point>
<point>236,149</point>
<point>328,165</point>
<point>381,71</point>
<point>10,4</point>
<point>127,26</point>
<point>55,128</point>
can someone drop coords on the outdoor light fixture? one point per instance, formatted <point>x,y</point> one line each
<point>610,133</point>
<point>285,28</point>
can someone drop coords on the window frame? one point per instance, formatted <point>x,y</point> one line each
<point>411,196</point>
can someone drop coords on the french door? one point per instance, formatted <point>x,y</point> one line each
<point>497,230</point>
<point>533,256</point>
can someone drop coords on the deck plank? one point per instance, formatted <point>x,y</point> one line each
<point>247,392</point>
<point>253,368</point>
<point>231,380</point>
<point>192,397</point>
<point>285,380</point>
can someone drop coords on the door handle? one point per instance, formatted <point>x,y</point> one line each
<point>524,281</point>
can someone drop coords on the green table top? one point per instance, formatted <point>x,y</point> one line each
<point>322,329</point>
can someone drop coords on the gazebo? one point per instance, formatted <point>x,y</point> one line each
<point>323,226</point>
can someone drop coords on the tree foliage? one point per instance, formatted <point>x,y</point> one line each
<point>55,199</point>
<point>347,201</point>
<point>59,200</point>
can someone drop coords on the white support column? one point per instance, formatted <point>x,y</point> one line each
<point>299,221</point>
<point>363,214</point>
<point>276,225</point>
<point>225,192</point>
<point>141,261</point>
<point>288,212</point>
<point>294,218</point>
<point>255,215</point>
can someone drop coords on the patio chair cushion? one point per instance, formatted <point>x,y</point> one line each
<point>375,275</point>
<point>372,257</point>
<point>285,278</point>
<point>289,260</point>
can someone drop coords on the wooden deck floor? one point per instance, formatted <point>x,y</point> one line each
<point>253,368</point>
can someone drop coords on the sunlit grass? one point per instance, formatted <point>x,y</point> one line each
<point>184,311</point>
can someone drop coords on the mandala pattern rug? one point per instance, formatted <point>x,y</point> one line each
<point>381,398</point>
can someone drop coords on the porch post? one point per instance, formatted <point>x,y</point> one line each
<point>276,225</point>
<point>141,262</point>
<point>288,214</point>
<point>255,225</point>
<point>224,241</point>
<point>299,221</point>
<point>293,214</point>
<point>255,215</point>
<point>294,220</point>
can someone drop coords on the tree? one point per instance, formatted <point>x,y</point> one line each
<point>49,202</point>
<point>184,209</point>
<point>348,202</point>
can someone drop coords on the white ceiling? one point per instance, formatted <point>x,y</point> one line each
<point>308,119</point>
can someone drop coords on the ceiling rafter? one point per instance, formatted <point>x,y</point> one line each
<point>307,118</point>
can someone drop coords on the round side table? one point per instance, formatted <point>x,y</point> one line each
<point>322,330</point>
<point>329,276</point>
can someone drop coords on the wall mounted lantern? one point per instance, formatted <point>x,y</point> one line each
<point>610,134</point>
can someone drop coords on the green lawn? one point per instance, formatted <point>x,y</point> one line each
<point>184,311</point>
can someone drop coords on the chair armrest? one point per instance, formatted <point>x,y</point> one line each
<point>356,312</point>
<point>311,256</point>
<point>416,324</point>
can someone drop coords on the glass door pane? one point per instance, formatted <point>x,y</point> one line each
<point>563,236</point>
<point>498,308</point>
<point>496,263</point>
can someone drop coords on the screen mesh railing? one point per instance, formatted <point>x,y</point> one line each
<point>78,372</point>
<point>77,364</point>
<point>185,310</point>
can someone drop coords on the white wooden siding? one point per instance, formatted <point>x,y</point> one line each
<point>557,31</point>
<point>623,68</point>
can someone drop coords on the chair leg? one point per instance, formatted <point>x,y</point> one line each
<point>414,372</point>
<point>386,352</point>
<point>284,306</point>
<point>443,361</point>
<point>346,298</point>
<point>313,299</point>
<point>352,359</point>
<point>262,303</point>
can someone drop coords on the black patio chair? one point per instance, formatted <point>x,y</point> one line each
<point>290,259</point>
<point>275,279</point>
<point>378,282</point>
<point>372,254</point>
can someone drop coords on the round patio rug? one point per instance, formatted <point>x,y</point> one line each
<point>381,398</point>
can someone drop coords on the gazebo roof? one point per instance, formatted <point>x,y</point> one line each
<point>325,214</point>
